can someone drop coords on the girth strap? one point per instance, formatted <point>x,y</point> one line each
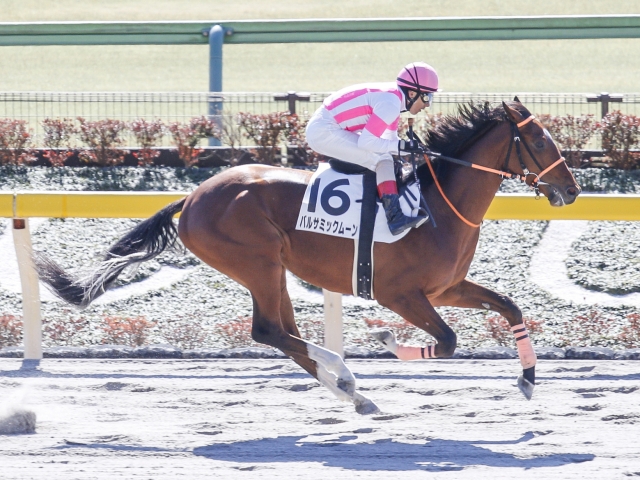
<point>364,258</point>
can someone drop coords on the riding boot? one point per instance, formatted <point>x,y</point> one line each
<point>398,221</point>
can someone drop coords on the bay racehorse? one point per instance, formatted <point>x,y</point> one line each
<point>242,222</point>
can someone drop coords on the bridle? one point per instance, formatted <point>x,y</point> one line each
<point>515,139</point>
<point>504,173</point>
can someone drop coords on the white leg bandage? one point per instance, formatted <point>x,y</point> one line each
<point>330,361</point>
<point>332,372</point>
<point>525,349</point>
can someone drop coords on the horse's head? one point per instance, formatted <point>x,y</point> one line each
<point>538,157</point>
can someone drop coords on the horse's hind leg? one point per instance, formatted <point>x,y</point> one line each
<point>273,324</point>
<point>329,361</point>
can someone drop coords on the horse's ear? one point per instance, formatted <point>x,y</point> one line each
<point>512,113</point>
<point>516,99</point>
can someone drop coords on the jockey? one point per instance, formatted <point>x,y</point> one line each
<point>358,124</point>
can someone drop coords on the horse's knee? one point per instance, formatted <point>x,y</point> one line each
<point>511,311</point>
<point>446,345</point>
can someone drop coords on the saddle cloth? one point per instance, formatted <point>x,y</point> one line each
<point>332,205</point>
<point>347,205</point>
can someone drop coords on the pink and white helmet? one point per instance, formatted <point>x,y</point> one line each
<point>418,76</point>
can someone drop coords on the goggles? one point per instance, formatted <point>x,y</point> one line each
<point>427,98</point>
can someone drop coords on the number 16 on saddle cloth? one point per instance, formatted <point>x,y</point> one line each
<point>332,205</point>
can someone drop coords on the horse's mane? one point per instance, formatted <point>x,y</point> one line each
<point>457,133</point>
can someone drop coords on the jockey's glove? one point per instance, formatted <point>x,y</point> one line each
<point>409,146</point>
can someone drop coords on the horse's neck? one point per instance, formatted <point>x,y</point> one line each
<point>469,190</point>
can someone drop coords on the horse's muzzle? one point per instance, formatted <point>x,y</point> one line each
<point>559,195</point>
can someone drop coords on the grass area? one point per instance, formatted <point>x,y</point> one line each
<point>492,66</point>
<point>62,10</point>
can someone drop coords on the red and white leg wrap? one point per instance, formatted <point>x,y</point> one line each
<point>525,349</point>
<point>406,353</point>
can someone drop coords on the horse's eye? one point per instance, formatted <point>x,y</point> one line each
<point>540,143</point>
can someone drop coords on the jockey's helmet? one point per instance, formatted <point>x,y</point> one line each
<point>419,77</point>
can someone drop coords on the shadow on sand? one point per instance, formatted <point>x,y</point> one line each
<point>383,455</point>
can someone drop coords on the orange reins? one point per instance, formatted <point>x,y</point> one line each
<point>502,173</point>
<point>446,199</point>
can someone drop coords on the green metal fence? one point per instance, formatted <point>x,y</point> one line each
<point>329,30</point>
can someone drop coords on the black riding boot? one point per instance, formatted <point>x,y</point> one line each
<point>398,221</point>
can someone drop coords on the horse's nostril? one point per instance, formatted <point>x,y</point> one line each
<point>572,191</point>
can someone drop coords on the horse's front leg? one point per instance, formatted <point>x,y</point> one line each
<point>467,294</point>
<point>414,307</point>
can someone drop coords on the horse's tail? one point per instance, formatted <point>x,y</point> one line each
<point>146,241</point>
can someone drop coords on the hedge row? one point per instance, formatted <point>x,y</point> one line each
<point>101,141</point>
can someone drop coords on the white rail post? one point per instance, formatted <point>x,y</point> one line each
<point>333,322</point>
<point>31,319</point>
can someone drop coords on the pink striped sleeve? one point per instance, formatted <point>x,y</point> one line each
<point>345,98</point>
<point>377,125</point>
<point>353,113</point>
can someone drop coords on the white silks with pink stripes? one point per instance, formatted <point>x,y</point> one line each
<point>359,125</point>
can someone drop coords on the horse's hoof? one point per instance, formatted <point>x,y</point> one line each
<point>385,337</point>
<point>346,385</point>
<point>526,387</point>
<point>364,406</point>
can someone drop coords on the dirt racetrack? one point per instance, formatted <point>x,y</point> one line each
<point>454,419</point>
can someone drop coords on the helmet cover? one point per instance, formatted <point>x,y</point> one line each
<point>418,76</point>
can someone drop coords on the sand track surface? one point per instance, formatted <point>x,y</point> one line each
<point>99,419</point>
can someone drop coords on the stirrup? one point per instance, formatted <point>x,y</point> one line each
<point>397,228</point>
<point>397,221</point>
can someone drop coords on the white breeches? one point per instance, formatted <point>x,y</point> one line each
<point>326,137</point>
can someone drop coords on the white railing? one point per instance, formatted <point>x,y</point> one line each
<point>20,206</point>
